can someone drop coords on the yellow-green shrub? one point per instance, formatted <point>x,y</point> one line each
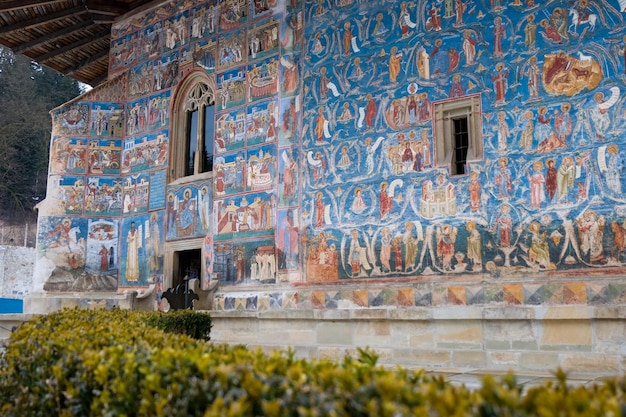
<point>113,363</point>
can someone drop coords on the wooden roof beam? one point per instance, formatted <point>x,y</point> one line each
<point>98,80</point>
<point>51,37</point>
<point>64,49</point>
<point>111,8</point>
<point>26,24</point>
<point>7,6</point>
<point>85,63</point>
<point>102,19</point>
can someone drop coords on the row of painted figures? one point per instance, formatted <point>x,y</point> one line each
<point>445,248</point>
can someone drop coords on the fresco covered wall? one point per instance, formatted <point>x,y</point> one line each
<point>111,149</point>
<point>325,159</point>
<point>546,198</point>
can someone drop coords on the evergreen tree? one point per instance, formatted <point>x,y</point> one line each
<point>28,92</point>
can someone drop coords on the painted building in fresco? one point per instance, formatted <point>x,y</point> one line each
<point>326,150</point>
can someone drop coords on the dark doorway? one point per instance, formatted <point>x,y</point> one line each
<point>187,263</point>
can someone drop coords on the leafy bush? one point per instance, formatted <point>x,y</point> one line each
<point>196,325</point>
<point>113,363</point>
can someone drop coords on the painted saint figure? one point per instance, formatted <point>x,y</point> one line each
<point>537,181</point>
<point>358,204</point>
<point>614,169</point>
<point>551,179</point>
<point>385,250</point>
<point>503,178</point>
<point>474,191</point>
<point>500,83</point>
<point>590,233</point>
<point>154,242</point>
<point>104,259</point>
<point>539,251</point>
<point>445,246</point>
<point>410,246</point>
<point>504,224</point>
<point>565,179</point>
<point>133,240</point>
<point>474,246</point>
<point>386,201</point>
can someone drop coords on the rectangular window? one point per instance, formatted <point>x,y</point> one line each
<point>458,133</point>
<point>461,143</point>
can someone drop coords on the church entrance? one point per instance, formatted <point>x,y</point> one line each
<point>187,265</point>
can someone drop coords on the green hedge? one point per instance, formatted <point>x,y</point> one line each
<point>115,363</point>
<point>196,325</point>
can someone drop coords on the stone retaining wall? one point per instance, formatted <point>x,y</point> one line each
<point>579,339</point>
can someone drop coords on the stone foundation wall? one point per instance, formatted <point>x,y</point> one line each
<point>529,325</point>
<point>579,339</point>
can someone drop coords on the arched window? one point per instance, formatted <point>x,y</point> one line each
<point>193,128</point>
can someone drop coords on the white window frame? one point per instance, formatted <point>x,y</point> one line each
<point>445,112</point>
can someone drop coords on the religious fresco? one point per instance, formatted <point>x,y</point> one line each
<point>292,29</point>
<point>145,152</point>
<point>157,189</point>
<point>231,50</point>
<point>104,196</point>
<point>245,216</point>
<point>104,156</point>
<point>141,260</point>
<point>136,193</point>
<point>188,210</point>
<point>203,54</point>
<point>245,262</point>
<point>289,176</point>
<point>124,53</point>
<point>68,155</point>
<point>289,121</point>
<point>158,110</point>
<point>72,120</point>
<point>141,79</point>
<point>231,89</point>
<point>262,79</point>
<point>289,74</point>
<point>176,31</point>
<point>107,119</point>
<point>261,168</point>
<point>151,41</point>
<point>261,123</point>
<point>233,13</point>
<point>287,239</point>
<point>230,131</point>
<point>552,120</point>
<point>203,20</point>
<point>263,39</point>
<point>165,71</point>
<point>63,239</point>
<point>230,174</point>
<point>325,140</point>
<point>71,192</point>
<point>65,246</point>
<point>137,116</point>
<point>102,247</point>
<point>208,261</point>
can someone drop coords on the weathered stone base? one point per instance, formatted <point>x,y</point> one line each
<point>579,339</point>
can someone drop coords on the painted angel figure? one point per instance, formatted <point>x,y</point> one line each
<point>600,112</point>
<point>370,150</point>
<point>318,167</point>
